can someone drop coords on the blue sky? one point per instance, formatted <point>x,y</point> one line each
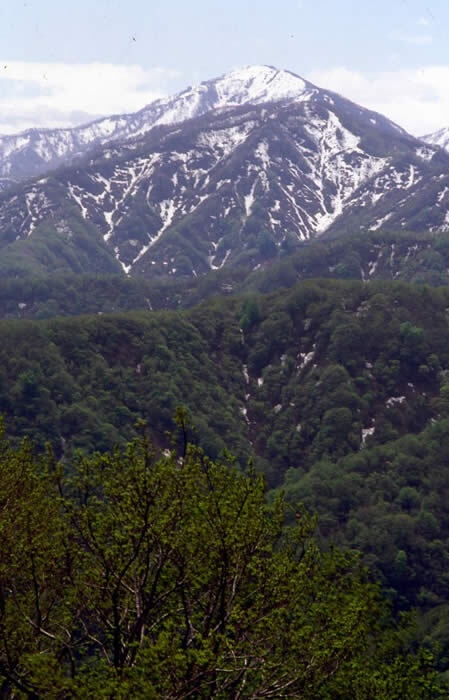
<point>66,62</point>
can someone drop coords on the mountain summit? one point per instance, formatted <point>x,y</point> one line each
<point>228,172</point>
<point>252,85</point>
<point>35,151</point>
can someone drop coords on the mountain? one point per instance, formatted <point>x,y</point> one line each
<point>35,151</point>
<point>272,161</point>
<point>438,138</point>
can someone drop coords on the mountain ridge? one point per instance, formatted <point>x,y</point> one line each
<point>238,181</point>
<point>33,151</point>
<point>438,138</point>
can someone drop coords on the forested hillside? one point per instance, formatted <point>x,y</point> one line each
<point>337,391</point>
<point>267,353</point>
<point>403,256</point>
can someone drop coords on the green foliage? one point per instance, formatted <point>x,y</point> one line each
<point>389,502</point>
<point>148,576</point>
<point>250,314</point>
<point>72,246</point>
<point>337,390</point>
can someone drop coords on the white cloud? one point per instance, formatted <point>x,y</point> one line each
<point>418,100</point>
<point>424,22</point>
<point>59,94</point>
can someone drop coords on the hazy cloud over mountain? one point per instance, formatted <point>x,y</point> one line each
<point>61,94</point>
<point>417,99</point>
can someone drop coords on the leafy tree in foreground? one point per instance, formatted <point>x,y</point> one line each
<point>146,577</point>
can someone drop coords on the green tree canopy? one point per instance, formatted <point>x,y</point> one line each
<point>146,576</point>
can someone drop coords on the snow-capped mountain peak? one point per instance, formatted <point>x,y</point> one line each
<point>36,150</point>
<point>249,85</point>
<point>257,84</point>
<point>264,160</point>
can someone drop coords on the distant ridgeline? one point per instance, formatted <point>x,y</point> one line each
<point>28,292</point>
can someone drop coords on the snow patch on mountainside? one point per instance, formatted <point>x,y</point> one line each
<point>380,222</point>
<point>262,154</point>
<point>250,199</point>
<point>425,153</point>
<point>167,212</point>
<point>340,163</point>
<point>223,141</point>
<point>76,194</point>
<point>438,138</point>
